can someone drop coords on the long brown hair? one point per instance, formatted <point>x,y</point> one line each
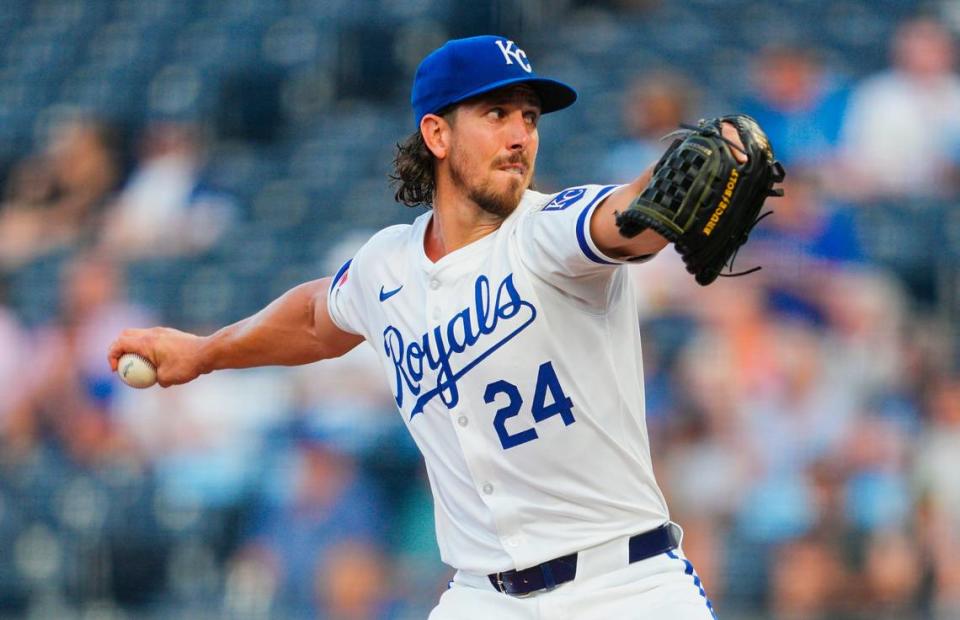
<point>414,172</point>
<point>414,167</point>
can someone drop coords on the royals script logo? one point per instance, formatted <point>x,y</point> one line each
<point>452,350</point>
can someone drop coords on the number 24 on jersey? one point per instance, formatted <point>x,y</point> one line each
<point>548,389</point>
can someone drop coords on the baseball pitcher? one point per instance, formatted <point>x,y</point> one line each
<point>508,331</point>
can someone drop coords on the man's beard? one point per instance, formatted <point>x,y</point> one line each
<point>499,204</point>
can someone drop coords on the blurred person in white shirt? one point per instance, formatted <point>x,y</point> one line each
<point>901,135</point>
<point>163,210</point>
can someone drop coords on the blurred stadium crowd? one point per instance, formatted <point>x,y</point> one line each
<point>183,163</point>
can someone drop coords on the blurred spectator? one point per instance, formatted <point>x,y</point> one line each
<point>808,580</point>
<point>892,576</point>
<point>71,387</point>
<point>348,399</point>
<point>877,491</point>
<point>315,542</point>
<point>801,247</point>
<point>806,419</point>
<point>734,326</point>
<point>55,199</point>
<point>13,350</point>
<point>901,135</point>
<point>867,313</point>
<point>164,210</point>
<point>654,105</point>
<point>705,473</point>
<point>706,469</point>
<point>205,453</point>
<point>800,417</point>
<point>799,104</point>
<point>937,464</point>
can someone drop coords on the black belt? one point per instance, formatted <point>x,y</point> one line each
<point>553,572</point>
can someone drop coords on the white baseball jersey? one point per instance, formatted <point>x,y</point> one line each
<point>515,363</point>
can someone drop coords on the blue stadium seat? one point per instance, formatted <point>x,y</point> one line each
<point>280,205</point>
<point>94,88</point>
<point>195,574</point>
<point>882,225</point>
<point>176,90</point>
<point>39,554</point>
<point>72,14</point>
<point>126,43</point>
<point>949,226</point>
<point>38,48</point>
<point>292,41</point>
<point>242,11</point>
<point>82,505</point>
<point>156,13</point>
<point>211,43</point>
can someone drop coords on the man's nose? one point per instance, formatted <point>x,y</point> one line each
<point>518,131</point>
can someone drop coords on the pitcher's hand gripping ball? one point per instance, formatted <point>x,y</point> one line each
<point>702,200</point>
<point>136,371</point>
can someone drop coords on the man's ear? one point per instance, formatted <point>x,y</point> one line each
<point>436,134</point>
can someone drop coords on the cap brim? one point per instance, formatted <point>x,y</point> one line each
<point>554,95</point>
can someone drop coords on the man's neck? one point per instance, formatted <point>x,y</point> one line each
<point>456,223</point>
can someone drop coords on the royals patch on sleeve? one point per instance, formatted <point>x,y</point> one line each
<point>566,198</point>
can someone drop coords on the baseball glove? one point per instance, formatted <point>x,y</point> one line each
<point>702,200</point>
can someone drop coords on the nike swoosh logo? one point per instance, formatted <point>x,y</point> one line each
<point>384,296</point>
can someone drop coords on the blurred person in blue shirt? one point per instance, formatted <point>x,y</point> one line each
<point>802,416</point>
<point>799,104</point>
<point>806,242</point>
<point>654,105</point>
<point>877,493</point>
<point>316,539</point>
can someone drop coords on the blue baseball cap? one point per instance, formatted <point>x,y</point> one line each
<point>464,68</point>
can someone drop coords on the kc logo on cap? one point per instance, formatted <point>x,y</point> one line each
<point>510,50</point>
<point>465,68</point>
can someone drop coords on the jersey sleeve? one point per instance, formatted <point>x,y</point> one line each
<point>556,244</point>
<point>344,302</point>
<point>352,301</point>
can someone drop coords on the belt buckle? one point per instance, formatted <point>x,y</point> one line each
<point>500,587</point>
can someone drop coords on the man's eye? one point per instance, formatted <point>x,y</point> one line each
<point>532,117</point>
<point>496,113</point>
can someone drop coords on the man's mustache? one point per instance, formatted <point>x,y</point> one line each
<point>516,158</point>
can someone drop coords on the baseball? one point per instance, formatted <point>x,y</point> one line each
<point>136,371</point>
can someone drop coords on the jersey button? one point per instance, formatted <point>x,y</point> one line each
<point>436,314</point>
<point>463,421</point>
<point>513,541</point>
<point>434,284</point>
<point>488,489</point>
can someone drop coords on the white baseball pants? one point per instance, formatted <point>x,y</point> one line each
<point>606,587</point>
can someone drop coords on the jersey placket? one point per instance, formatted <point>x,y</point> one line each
<point>466,416</point>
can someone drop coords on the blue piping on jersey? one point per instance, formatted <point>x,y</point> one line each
<point>688,570</point>
<point>340,273</point>
<point>581,228</point>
